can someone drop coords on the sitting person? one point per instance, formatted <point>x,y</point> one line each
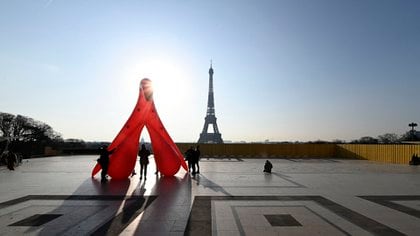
<point>414,160</point>
<point>268,166</point>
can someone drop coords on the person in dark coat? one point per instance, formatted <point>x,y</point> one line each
<point>104,162</point>
<point>144,160</point>
<point>268,166</point>
<point>189,158</point>
<point>196,159</point>
<point>11,159</point>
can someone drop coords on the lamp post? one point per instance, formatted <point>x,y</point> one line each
<point>412,125</point>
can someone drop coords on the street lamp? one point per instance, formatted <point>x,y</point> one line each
<point>413,132</point>
<point>412,125</point>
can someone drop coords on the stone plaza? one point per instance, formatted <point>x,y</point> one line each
<point>57,196</point>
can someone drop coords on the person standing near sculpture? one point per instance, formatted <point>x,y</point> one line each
<point>144,160</point>
<point>104,162</point>
<point>189,155</point>
<point>196,158</point>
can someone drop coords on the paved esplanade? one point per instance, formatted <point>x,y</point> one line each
<point>56,195</point>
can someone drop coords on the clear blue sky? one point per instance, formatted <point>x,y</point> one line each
<point>283,70</point>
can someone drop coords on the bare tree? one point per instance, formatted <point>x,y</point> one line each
<point>388,138</point>
<point>366,140</point>
<point>22,128</point>
<point>6,123</point>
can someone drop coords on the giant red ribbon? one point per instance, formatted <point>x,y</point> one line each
<point>167,156</point>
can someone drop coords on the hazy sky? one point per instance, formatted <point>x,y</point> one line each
<point>283,70</point>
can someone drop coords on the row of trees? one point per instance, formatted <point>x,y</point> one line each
<point>22,128</point>
<point>28,137</point>
<point>25,135</point>
<point>387,138</point>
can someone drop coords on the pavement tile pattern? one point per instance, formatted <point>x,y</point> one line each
<point>230,196</point>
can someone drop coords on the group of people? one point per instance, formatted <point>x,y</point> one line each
<point>192,156</point>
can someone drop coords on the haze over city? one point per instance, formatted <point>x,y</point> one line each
<point>283,70</point>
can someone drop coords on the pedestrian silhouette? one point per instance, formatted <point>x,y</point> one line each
<point>103,160</point>
<point>189,155</point>
<point>144,160</point>
<point>196,158</point>
<point>11,159</point>
<point>268,166</point>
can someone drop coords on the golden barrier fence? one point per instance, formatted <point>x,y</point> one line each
<point>264,150</point>
<point>390,153</point>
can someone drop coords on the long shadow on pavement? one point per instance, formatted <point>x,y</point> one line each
<point>170,211</point>
<point>86,211</point>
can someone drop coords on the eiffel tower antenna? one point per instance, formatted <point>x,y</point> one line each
<point>205,136</point>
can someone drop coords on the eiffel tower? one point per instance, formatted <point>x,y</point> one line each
<point>206,137</point>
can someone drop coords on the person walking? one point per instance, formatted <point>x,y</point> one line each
<point>144,160</point>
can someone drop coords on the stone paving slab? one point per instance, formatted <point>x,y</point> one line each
<point>57,196</point>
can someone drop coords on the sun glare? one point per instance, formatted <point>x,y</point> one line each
<point>171,86</point>
<point>170,80</point>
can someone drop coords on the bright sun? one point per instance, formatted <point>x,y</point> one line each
<point>171,86</point>
<point>170,81</point>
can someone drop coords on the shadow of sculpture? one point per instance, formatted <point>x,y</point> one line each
<point>131,208</point>
<point>169,212</point>
<point>93,208</point>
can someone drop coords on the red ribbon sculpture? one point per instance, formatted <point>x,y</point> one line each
<point>167,156</point>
